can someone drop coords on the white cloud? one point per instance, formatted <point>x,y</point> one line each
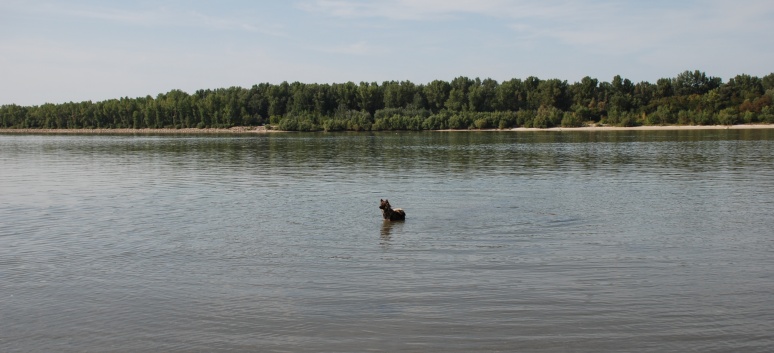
<point>441,9</point>
<point>57,52</point>
<point>609,25</point>
<point>157,17</point>
<point>63,72</point>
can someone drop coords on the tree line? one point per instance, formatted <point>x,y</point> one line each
<point>691,98</point>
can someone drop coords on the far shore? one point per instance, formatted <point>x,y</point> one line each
<point>170,131</point>
<point>652,128</point>
<point>264,129</point>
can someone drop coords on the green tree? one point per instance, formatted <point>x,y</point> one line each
<point>437,93</point>
<point>547,116</point>
<point>370,97</point>
<point>664,88</point>
<point>584,92</point>
<point>398,94</point>
<point>695,82</point>
<point>345,94</point>
<point>511,95</point>
<point>458,94</point>
<point>552,93</point>
<point>279,97</point>
<point>482,95</point>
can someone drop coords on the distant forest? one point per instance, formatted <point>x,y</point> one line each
<point>691,98</point>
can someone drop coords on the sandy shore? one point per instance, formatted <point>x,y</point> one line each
<point>645,128</point>
<point>638,128</point>
<point>233,130</point>
<point>263,129</point>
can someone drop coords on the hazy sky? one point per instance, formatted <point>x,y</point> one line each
<point>59,51</point>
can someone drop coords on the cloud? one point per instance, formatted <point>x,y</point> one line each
<point>161,16</point>
<point>604,24</point>
<point>649,39</point>
<point>439,9</point>
<point>63,72</point>
<point>94,50</point>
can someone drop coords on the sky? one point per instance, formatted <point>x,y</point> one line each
<point>79,50</point>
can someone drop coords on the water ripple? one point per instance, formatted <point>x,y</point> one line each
<point>533,242</point>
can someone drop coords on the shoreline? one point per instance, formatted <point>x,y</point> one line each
<point>265,130</point>
<point>127,131</point>
<point>652,128</point>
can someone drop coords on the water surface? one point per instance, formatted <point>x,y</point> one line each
<point>633,241</point>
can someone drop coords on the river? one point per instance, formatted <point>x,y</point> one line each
<point>624,241</point>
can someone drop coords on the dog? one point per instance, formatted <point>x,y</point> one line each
<point>391,214</point>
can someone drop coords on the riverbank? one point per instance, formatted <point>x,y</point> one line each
<point>264,129</point>
<point>652,128</point>
<point>637,128</point>
<point>233,130</point>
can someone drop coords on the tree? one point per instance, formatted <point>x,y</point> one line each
<point>511,95</point>
<point>768,81</point>
<point>398,94</point>
<point>482,95</point>
<point>551,93</point>
<point>689,98</point>
<point>436,94</point>
<point>547,116</point>
<point>278,101</point>
<point>622,86</point>
<point>695,82</point>
<point>664,88</point>
<point>370,97</point>
<point>584,92</point>
<point>257,102</point>
<point>458,94</point>
<point>345,94</point>
<point>744,87</point>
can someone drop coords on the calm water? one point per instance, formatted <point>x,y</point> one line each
<point>529,242</point>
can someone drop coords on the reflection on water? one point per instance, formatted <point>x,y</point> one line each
<point>550,242</point>
<point>387,229</point>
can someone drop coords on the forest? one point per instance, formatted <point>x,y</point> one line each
<point>690,98</point>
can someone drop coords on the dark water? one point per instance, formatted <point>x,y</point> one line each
<point>529,242</point>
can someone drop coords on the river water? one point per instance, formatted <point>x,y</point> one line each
<point>633,241</point>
